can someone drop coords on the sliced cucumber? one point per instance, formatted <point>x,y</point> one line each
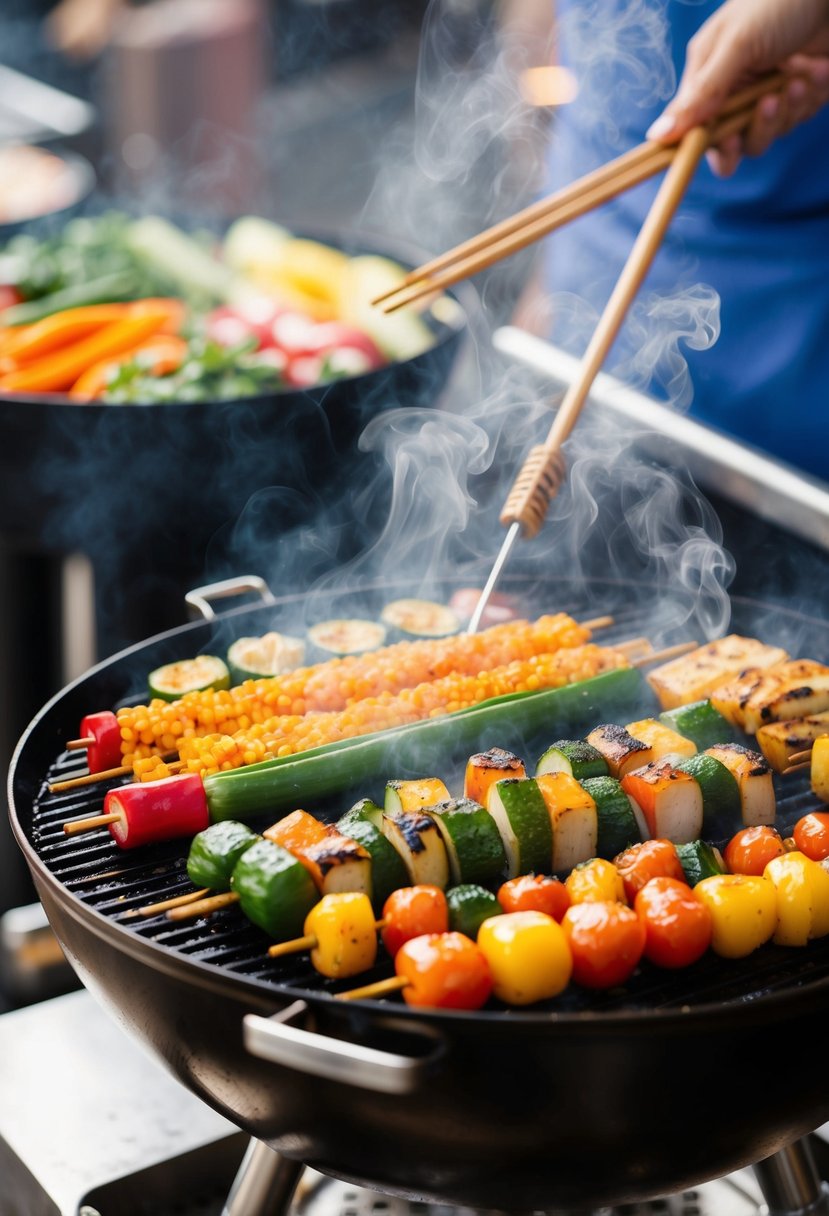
<point>700,722</point>
<point>574,756</point>
<point>720,791</point>
<point>388,872</point>
<point>521,816</point>
<point>275,890</point>
<point>269,655</point>
<point>215,851</point>
<point>420,618</point>
<point>618,825</point>
<point>699,860</point>
<point>473,842</point>
<point>346,635</point>
<point>469,906</point>
<point>754,779</point>
<point>172,681</point>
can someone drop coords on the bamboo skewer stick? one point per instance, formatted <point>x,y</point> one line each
<point>544,469</point>
<point>542,217</point>
<point>175,901</point>
<point>203,907</point>
<point>308,942</point>
<point>77,745</point>
<point>71,783</point>
<point>380,988</point>
<point>75,826</point>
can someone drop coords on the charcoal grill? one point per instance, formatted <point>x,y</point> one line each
<point>587,1100</point>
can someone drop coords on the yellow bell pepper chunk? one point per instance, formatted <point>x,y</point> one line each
<point>744,912</point>
<point>345,930</point>
<point>594,881</point>
<point>802,888</point>
<point>820,768</point>
<point>528,954</point>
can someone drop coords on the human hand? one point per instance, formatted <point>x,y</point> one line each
<point>742,40</point>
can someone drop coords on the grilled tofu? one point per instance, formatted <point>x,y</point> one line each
<point>418,840</point>
<point>573,818</point>
<point>754,779</point>
<point>780,740</point>
<point>694,676</point>
<point>661,739</point>
<point>670,800</point>
<point>790,689</point>
<point>621,751</point>
<point>337,863</point>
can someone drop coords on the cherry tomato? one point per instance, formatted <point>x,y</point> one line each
<point>606,940</point>
<point>642,862</point>
<point>444,971</point>
<point>678,925</point>
<point>335,335</point>
<point>534,893</point>
<point>254,318</point>
<point>411,912</point>
<point>751,850</point>
<point>8,296</point>
<point>811,835</point>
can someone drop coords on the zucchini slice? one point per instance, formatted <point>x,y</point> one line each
<point>420,618</point>
<point>521,816</point>
<point>573,819</point>
<point>699,722</point>
<point>473,843</point>
<point>618,827</point>
<point>754,780</point>
<point>720,791</point>
<point>362,823</point>
<point>346,635</point>
<point>699,860</point>
<point>671,800</point>
<point>173,680</point>
<point>576,757</point>
<point>469,906</point>
<point>419,842</point>
<point>265,656</point>
<point>215,851</point>
<point>275,890</point>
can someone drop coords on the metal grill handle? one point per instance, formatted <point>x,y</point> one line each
<point>337,1060</point>
<point>199,598</point>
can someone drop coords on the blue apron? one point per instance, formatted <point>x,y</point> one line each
<point>760,239</point>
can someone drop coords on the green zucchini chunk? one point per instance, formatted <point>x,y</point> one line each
<point>272,654</point>
<point>344,636</point>
<point>473,842</point>
<point>699,860</point>
<point>414,618</point>
<point>173,680</point>
<point>387,869</point>
<point>469,906</point>
<point>275,891</point>
<point>519,810</point>
<point>618,826</point>
<point>215,852</point>
<point>719,786</point>
<point>574,756</point>
<point>700,722</point>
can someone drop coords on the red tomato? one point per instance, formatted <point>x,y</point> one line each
<point>678,925</point>
<point>650,859</point>
<point>291,332</point>
<point>412,911</point>
<point>303,371</point>
<point>751,850</point>
<point>606,940</point>
<point>8,296</point>
<point>443,971</point>
<point>253,319</point>
<point>811,835</point>
<point>336,335</point>
<point>534,893</point>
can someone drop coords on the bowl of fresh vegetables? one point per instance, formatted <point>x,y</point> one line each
<point>251,363</point>
<point>119,310</point>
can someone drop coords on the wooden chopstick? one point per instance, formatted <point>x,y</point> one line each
<point>590,191</point>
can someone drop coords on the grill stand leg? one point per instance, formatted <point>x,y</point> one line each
<point>790,1182</point>
<point>264,1185</point>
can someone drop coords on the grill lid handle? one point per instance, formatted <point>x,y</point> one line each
<point>199,598</point>
<point>385,1072</point>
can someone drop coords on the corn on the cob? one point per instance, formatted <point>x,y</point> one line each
<point>287,735</point>
<point>148,731</point>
